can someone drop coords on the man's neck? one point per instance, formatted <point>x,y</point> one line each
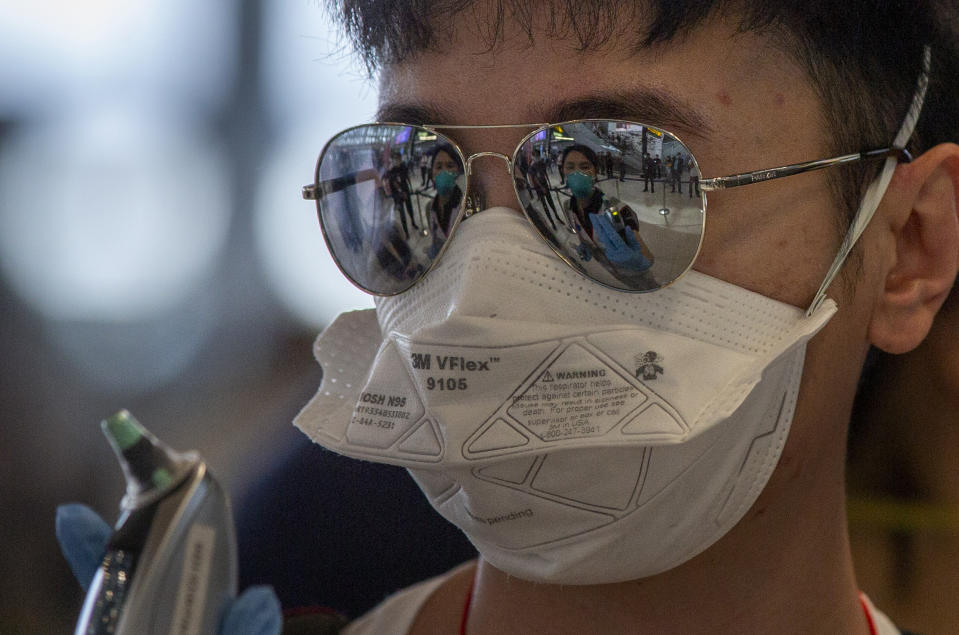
<point>800,582</point>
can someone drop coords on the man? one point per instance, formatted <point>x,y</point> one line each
<point>762,86</point>
<point>649,176</point>
<point>539,179</point>
<point>397,179</point>
<point>676,175</point>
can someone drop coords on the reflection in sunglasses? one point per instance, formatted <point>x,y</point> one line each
<point>588,187</point>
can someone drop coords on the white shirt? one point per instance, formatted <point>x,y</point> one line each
<point>396,614</point>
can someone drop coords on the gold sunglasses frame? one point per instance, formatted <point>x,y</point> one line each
<point>316,190</point>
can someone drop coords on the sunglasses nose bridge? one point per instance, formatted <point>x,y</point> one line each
<point>499,155</point>
<point>488,186</point>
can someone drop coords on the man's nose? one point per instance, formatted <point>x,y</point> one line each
<point>491,180</point>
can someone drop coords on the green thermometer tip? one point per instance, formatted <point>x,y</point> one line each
<point>123,429</point>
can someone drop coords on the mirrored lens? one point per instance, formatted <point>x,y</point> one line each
<point>619,201</point>
<point>388,196</point>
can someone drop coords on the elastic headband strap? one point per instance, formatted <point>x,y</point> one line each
<point>877,189</point>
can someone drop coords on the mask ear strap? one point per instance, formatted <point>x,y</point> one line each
<point>877,189</point>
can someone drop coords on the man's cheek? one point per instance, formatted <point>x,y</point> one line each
<point>778,250</point>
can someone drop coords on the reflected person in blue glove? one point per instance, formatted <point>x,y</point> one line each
<point>83,537</point>
<point>446,170</point>
<point>607,229</point>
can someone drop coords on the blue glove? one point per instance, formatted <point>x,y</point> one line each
<point>83,537</point>
<point>627,254</point>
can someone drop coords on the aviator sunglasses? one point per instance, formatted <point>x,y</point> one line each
<point>621,202</point>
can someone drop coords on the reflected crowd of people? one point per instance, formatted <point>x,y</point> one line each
<point>400,195</point>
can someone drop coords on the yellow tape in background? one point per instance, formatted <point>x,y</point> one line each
<point>896,515</point>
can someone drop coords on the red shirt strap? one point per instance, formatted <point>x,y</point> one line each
<point>869,620</point>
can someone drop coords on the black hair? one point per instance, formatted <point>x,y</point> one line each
<point>577,147</point>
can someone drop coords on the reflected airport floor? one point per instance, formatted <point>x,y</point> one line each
<point>684,212</point>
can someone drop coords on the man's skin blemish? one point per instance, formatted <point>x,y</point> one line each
<point>724,98</point>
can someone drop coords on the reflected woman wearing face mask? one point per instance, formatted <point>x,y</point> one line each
<point>445,170</point>
<point>606,229</point>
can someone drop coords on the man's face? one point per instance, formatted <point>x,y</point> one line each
<point>755,106</point>
<point>741,105</point>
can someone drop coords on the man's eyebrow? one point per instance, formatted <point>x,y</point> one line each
<point>412,113</point>
<point>643,106</point>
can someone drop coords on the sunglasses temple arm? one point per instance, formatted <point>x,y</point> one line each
<point>747,178</point>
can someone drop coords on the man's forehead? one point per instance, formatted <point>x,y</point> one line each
<point>736,100</point>
<point>678,85</point>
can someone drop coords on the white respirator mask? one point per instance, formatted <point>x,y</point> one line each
<point>576,434</point>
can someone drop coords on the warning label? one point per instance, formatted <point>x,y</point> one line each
<point>576,396</point>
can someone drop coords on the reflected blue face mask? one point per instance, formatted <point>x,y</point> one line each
<point>445,181</point>
<point>580,184</point>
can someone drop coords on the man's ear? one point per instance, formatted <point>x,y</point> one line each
<point>922,221</point>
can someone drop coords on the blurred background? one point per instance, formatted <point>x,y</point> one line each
<point>155,255</point>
